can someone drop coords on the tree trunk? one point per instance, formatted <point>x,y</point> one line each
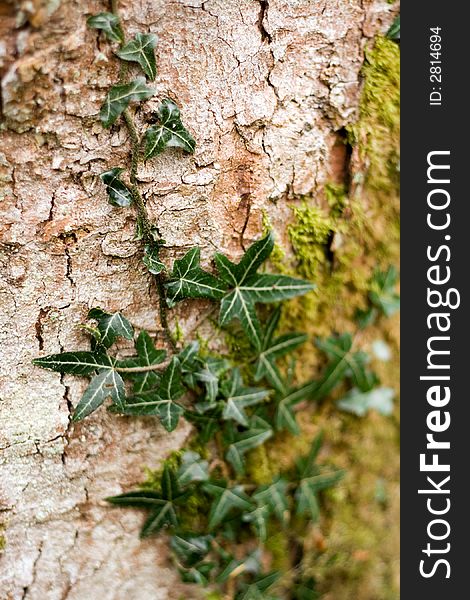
<point>266,88</point>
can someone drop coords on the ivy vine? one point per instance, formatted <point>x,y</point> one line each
<point>216,519</point>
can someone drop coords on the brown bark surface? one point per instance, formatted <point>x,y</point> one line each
<point>265,88</point>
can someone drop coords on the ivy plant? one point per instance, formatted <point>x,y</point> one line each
<point>215,518</point>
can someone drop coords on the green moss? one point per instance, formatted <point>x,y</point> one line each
<point>258,468</point>
<point>378,128</point>
<point>337,198</point>
<point>309,235</point>
<point>3,543</point>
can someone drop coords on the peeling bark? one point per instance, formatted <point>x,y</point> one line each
<point>266,88</point>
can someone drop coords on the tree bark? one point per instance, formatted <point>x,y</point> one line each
<point>266,88</point>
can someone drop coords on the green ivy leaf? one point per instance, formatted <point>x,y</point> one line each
<point>151,259</point>
<point>108,23</point>
<point>394,32</point>
<point>259,431</point>
<point>238,397</point>
<point>170,132</point>
<point>382,293</point>
<point>258,589</point>
<point>75,363</point>
<point>258,518</point>
<point>271,350</point>
<point>108,383</point>
<point>227,499</point>
<point>190,548</point>
<point>161,401</point>
<point>118,193</point>
<point>147,355</point>
<point>193,468</point>
<point>199,574</point>
<point>286,399</point>
<point>247,288</point>
<point>274,497</point>
<point>188,280</point>
<point>306,495</point>
<point>119,97</point>
<point>111,326</point>
<point>141,50</point>
<point>359,403</point>
<point>163,506</point>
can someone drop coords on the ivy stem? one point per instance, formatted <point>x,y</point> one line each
<point>142,214</point>
<point>144,369</point>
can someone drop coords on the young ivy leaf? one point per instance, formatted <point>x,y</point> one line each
<point>119,97</point>
<point>193,468</point>
<point>274,497</point>
<point>259,431</point>
<point>161,401</point>
<point>108,23</point>
<point>306,495</point>
<point>190,548</point>
<point>151,259</point>
<point>108,383</point>
<point>188,280</point>
<point>286,399</point>
<point>271,350</point>
<point>163,506</point>
<point>141,50</point>
<point>238,397</point>
<point>170,132</point>
<point>382,294</point>
<point>227,499</point>
<point>394,31</point>
<point>118,193</point>
<point>343,363</point>
<point>111,326</point>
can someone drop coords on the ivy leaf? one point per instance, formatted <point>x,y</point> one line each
<point>247,288</point>
<point>209,373</point>
<point>141,50</point>
<point>382,293</point>
<point>259,431</point>
<point>238,397</point>
<point>306,495</point>
<point>190,548</point>
<point>227,499</point>
<point>108,383</point>
<point>147,355</point>
<point>151,259</point>
<point>170,132</point>
<point>258,518</point>
<point>271,350</point>
<point>111,326</point>
<point>199,574</point>
<point>286,400</point>
<point>118,193</point>
<point>161,401</point>
<point>257,590</point>
<point>188,280</point>
<point>75,363</point>
<point>238,288</point>
<point>193,468</point>
<point>162,505</point>
<point>394,31</point>
<point>274,497</point>
<point>359,403</point>
<point>119,97</point>
<point>108,23</point>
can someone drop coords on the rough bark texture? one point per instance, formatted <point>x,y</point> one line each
<point>266,89</point>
